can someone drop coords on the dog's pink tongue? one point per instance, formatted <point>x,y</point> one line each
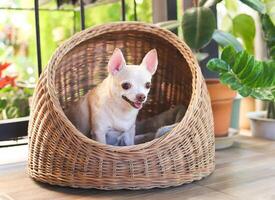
<point>138,105</point>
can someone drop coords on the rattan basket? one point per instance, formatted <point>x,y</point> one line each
<point>59,154</point>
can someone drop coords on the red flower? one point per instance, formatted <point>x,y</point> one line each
<point>7,80</point>
<point>3,66</point>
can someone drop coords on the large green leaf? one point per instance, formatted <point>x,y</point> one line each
<point>229,55</point>
<point>227,78</point>
<point>224,39</point>
<point>218,65</point>
<point>240,61</point>
<point>269,34</point>
<point>253,75</point>
<point>268,27</point>
<point>256,5</point>
<point>248,68</point>
<point>244,28</point>
<point>245,91</point>
<point>245,74</point>
<point>198,25</point>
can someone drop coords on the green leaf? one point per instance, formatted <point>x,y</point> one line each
<point>198,25</point>
<point>256,5</point>
<point>272,52</point>
<point>12,112</point>
<point>3,103</point>
<point>240,61</point>
<point>244,28</point>
<point>268,27</point>
<point>269,34</point>
<point>271,66</point>
<point>251,79</point>
<point>257,95</point>
<point>7,89</point>
<point>248,68</point>
<point>228,55</point>
<point>264,81</point>
<point>245,91</point>
<point>248,76</point>
<point>14,102</point>
<point>224,39</point>
<point>227,78</point>
<point>235,85</point>
<point>217,65</point>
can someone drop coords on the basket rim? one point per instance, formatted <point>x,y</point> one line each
<point>98,30</point>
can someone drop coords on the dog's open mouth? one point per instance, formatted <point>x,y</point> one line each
<point>136,104</point>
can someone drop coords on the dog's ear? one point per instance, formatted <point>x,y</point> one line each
<point>116,62</point>
<point>150,61</point>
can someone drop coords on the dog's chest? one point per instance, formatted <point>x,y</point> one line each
<point>107,119</point>
<point>122,125</point>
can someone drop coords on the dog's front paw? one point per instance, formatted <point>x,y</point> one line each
<point>128,141</point>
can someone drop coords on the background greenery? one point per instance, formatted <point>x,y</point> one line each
<point>18,41</point>
<point>55,26</point>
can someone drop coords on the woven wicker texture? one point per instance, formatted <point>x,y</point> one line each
<point>59,154</point>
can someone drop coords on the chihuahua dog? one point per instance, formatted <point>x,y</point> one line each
<point>112,107</point>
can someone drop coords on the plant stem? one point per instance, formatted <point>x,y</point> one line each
<point>271,110</point>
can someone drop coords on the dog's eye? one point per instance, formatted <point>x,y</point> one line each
<point>148,85</point>
<point>126,85</point>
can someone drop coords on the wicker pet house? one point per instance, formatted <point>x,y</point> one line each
<point>60,155</point>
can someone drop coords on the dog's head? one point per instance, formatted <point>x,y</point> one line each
<point>131,83</point>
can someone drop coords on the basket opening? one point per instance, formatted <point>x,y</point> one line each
<point>86,65</point>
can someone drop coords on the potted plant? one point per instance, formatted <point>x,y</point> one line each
<point>199,28</point>
<point>14,106</point>
<point>249,77</point>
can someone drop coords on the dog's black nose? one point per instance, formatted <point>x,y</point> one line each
<point>140,97</point>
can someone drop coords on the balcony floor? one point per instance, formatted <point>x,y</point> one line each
<point>245,171</point>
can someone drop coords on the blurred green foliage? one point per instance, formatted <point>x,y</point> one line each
<point>14,102</point>
<point>18,40</point>
<point>237,22</point>
<point>57,26</point>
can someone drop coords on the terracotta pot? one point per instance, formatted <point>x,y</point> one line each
<point>221,101</point>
